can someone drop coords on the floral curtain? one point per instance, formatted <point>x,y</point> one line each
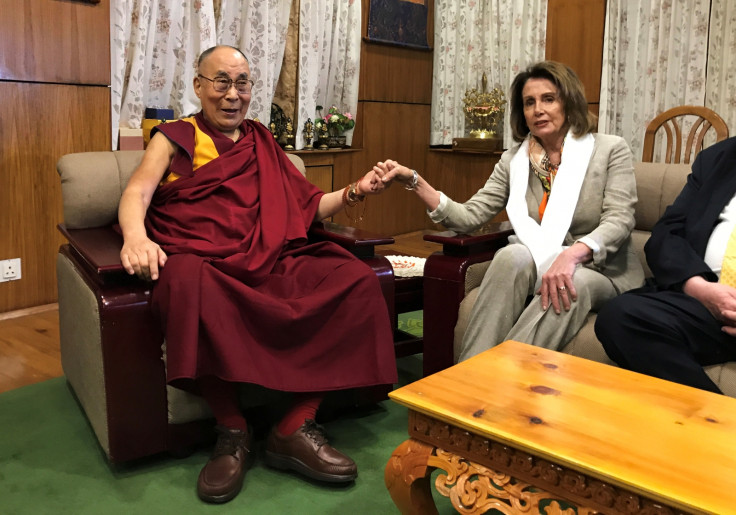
<point>329,59</point>
<point>497,37</point>
<point>258,27</point>
<point>654,58</point>
<point>155,45</point>
<point>721,71</point>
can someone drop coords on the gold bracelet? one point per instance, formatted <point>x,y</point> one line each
<point>346,197</point>
<point>351,199</point>
<point>353,193</point>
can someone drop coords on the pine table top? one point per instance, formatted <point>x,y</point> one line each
<point>663,440</point>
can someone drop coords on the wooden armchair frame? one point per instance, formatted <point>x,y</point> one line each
<point>705,119</point>
<point>444,287</point>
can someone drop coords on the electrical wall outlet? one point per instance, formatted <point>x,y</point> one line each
<point>9,270</point>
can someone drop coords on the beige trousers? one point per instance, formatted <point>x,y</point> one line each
<point>501,311</point>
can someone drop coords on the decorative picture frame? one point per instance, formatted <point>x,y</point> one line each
<point>398,22</point>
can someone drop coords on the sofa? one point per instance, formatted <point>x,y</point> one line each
<point>451,277</point>
<point>112,348</point>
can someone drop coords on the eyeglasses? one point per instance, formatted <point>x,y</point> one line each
<point>222,84</point>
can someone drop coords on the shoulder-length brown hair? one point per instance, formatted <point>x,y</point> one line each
<point>572,94</point>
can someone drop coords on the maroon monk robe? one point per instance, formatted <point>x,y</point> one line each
<point>243,296</point>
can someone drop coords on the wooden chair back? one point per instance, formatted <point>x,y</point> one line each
<point>670,120</point>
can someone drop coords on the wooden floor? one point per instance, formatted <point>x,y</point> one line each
<point>29,347</point>
<point>29,339</point>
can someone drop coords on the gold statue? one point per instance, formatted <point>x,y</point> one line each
<point>484,110</point>
<point>308,134</point>
<point>289,135</point>
<point>323,137</point>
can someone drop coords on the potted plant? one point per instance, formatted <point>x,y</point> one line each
<point>336,122</point>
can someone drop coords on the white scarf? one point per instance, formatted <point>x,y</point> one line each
<point>544,240</point>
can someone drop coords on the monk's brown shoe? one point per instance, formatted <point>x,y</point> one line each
<point>307,452</point>
<point>222,477</point>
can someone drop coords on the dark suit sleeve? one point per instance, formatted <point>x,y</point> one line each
<point>670,253</point>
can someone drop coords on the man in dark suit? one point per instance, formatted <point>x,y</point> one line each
<point>686,319</point>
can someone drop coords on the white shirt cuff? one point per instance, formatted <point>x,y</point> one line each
<point>592,245</point>
<point>439,213</point>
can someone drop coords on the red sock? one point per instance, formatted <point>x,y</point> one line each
<point>222,398</point>
<point>304,407</point>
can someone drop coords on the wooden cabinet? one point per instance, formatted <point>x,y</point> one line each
<point>320,167</point>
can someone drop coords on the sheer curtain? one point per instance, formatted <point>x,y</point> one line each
<point>155,45</point>
<point>258,28</point>
<point>497,37</point>
<point>654,58</point>
<point>721,72</point>
<point>329,59</point>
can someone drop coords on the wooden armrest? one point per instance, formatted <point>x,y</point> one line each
<point>493,237</point>
<point>99,248</point>
<point>444,286</point>
<point>359,242</point>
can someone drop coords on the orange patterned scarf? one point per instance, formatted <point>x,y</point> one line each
<point>540,164</point>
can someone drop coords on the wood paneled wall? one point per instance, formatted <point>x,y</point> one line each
<point>55,41</point>
<point>575,37</point>
<point>55,99</point>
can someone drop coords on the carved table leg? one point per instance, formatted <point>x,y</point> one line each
<point>407,478</point>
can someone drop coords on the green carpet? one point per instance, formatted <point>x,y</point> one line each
<point>411,323</point>
<point>50,462</point>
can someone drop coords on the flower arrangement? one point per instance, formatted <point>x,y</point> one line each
<point>336,121</point>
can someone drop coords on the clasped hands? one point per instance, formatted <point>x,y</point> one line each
<point>390,170</point>
<point>383,174</point>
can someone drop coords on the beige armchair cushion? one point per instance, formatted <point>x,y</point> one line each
<point>93,182</point>
<point>657,186</point>
<point>91,186</point>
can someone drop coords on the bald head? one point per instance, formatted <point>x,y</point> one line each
<point>207,53</point>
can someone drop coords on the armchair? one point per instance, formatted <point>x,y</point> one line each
<point>452,276</point>
<point>111,345</point>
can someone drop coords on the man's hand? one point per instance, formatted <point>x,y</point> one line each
<point>718,298</point>
<point>557,287</point>
<point>143,258</point>
<point>370,184</point>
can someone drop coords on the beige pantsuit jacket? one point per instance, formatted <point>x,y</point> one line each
<point>604,212</point>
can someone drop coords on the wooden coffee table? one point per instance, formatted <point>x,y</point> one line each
<point>523,429</point>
